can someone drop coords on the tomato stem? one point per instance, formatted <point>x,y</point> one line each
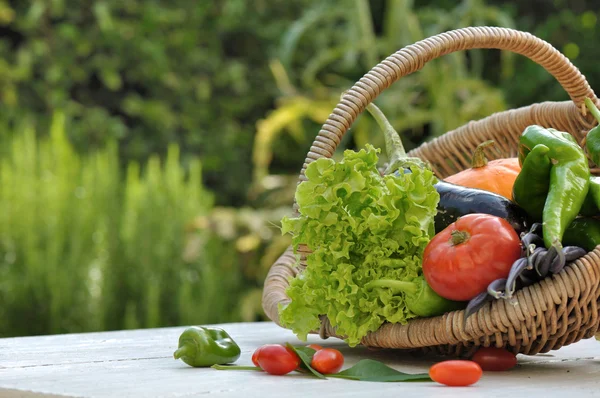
<point>457,237</point>
<point>406,287</point>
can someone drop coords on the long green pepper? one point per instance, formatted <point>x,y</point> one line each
<point>569,179</point>
<point>533,182</point>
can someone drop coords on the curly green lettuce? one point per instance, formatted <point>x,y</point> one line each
<point>360,226</point>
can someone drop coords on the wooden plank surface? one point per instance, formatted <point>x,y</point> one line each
<point>139,363</point>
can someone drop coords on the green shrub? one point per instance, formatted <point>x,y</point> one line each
<point>84,247</point>
<point>148,74</point>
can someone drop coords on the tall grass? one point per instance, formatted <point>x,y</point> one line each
<point>84,246</point>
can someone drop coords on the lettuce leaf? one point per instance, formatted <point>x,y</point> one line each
<point>360,226</point>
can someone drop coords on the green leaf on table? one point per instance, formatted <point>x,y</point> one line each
<point>370,370</point>
<point>305,354</point>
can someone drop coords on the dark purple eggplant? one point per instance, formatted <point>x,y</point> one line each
<point>456,201</point>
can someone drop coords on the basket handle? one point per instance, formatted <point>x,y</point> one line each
<point>413,57</point>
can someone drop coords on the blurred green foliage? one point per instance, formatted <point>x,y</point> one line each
<point>569,25</point>
<point>148,149</point>
<point>85,247</point>
<point>147,73</point>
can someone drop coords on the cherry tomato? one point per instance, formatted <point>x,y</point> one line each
<point>315,347</point>
<point>456,373</point>
<point>495,359</point>
<point>464,258</point>
<point>255,357</point>
<point>276,359</point>
<point>327,361</point>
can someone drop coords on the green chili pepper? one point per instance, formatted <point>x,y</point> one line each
<point>569,179</point>
<point>592,141</point>
<point>533,182</point>
<point>419,297</point>
<point>583,232</point>
<point>201,346</point>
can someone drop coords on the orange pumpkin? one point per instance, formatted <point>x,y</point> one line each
<point>496,176</point>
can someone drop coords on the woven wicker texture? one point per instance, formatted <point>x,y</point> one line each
<point>557,311</point>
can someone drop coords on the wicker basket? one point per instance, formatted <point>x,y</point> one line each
<point>555,312</point>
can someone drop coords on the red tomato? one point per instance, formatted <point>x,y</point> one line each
<point>276,359</point>
<point>456,373</point>
<point>495,359</point>
<point>315,347</point>
<point>463,259</point>
<point>255,357</point>
<point>327,361</point>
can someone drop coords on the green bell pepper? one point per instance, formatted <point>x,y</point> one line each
<point>569,179</point>
<point>592,141</point>
<point>583,232</point>
<point>201,346</point>
<point>591,205</point>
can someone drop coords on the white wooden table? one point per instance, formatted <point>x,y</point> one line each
<point>139,363</point>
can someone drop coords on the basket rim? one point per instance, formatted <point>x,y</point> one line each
<point>413,57</point>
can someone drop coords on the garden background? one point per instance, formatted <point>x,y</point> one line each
<point>148,149</point>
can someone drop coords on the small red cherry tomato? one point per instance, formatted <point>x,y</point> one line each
<point>494,359</point>
<point>456,373</point>
<point>327,361</point>
<point>255,357</point>
<point>463,259</point>
<point>276,359</point>
<point>315,347</point>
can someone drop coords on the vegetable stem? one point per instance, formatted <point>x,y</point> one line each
<point>235,367</point>
<point>479,159</point>
<point>398,159</point>
<point>592,108</point>
<point>393,144</point>
<point>403,286</point>
<point>184,350</point>
<point>458,237</point>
